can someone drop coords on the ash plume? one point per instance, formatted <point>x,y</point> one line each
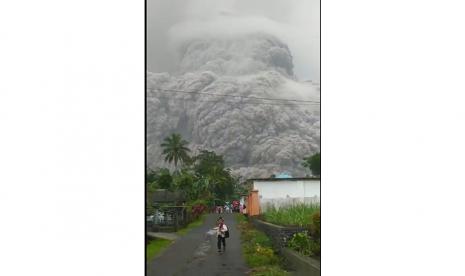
<point>256,137</point>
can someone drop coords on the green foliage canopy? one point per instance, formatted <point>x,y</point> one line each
<point>201,177</point>
<point>313,163</point>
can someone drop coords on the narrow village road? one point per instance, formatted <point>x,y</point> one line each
<point>196,253</point>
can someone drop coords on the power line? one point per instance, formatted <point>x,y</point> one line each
<point>218,101</point>
<point>288,104</point>
<point>226,95</point>
<point>236,96</point>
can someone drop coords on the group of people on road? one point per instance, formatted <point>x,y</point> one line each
<point>223,209</point>
<point>229,209</point>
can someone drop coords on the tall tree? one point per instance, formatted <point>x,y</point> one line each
<point>206,160</point>
<point>150,176</point>
<point>313,163</point>
<point>175,149</point>
<point>201,189</point>
<point>211,166</point>
<point>164,179</point>
<point>184,180</point>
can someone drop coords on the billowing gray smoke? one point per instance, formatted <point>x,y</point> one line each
<point>257,137</point>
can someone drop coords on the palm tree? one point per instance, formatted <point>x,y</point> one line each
<point>175,149</point>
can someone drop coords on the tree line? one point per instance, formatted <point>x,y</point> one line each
<point>203,175</point>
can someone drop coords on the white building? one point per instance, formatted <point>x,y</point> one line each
<point>286,191</point>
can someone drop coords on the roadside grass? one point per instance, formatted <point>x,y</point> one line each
<point>292,215</point>
<point>156,246</point>
<point>191,226</point>
<point>258,252</point>
<point>273,270</point>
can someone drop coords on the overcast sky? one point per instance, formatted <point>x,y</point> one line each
<point>295,22</point>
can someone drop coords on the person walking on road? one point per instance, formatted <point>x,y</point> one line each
<point>221,234</point>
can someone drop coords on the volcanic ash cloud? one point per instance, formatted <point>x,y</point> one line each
<point>256,137</point>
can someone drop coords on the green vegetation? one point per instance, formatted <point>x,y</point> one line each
<point>300,242</point>
<point>258,251</point>
<point>191,226</point>
<point>201,176</point>
<point>202,179</point>
<point>175,149</point>
<point>315,234</point>
<point>305,244</point>
<point>273,270</point>
<point>308,242</point>
<point>156,246</point>
<point>313,163</point>
<point>216,180</point>
<point>160,179</point>
<point>292,215</point>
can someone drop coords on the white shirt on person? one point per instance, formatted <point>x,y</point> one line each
<point>220,232</point>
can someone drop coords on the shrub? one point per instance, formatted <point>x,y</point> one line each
<point>198,210</point>
<point>273,270</point>
<point>255,260</point>
<point>315,227</point>
<point>315,247</point>
<point>315,242</point>
<point>258,252</point>
<point>199,202</point>
<point>304,244</point>
<point>263,240</point>
<point>316,219</point>
<point>249,235</point>
<point>261,255</point>
<point>242,221</point>
<point>249,248</point>
<point>265,251</point>
<point>300,242</point>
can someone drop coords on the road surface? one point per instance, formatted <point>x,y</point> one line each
<point>196,253</point>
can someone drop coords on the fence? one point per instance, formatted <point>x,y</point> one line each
<point>169,219</point>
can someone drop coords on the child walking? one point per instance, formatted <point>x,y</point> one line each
<point>221,234</point>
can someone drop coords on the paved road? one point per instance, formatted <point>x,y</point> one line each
<point>161,235</point>
<point>196,253</point>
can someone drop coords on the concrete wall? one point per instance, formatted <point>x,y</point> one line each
<point>280,235</point>
<point>301,265</point>
<point>286,192</point>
